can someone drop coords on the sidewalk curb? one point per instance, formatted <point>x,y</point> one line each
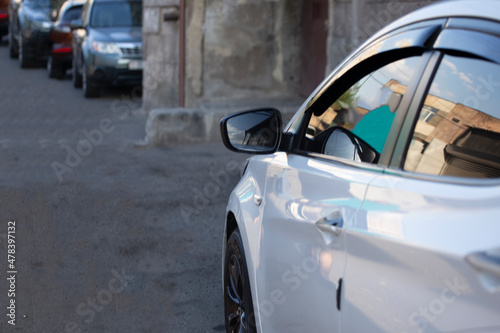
<point>173,126</point>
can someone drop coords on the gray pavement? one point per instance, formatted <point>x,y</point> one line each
<point>110,236</point>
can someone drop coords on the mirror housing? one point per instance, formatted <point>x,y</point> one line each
<point>76,24</point>
<point>255,131</point>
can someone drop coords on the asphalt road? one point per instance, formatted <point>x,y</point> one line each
<point>109,236</point>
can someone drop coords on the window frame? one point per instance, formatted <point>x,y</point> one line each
<point>452,32</point>
<point>383,51</point>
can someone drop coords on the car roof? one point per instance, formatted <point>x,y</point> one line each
<point>95,1</point>
<point>74,3</point>
<point>69,4</point>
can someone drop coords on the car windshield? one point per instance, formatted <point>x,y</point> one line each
<point>42,3</point>
<point>117,14</point>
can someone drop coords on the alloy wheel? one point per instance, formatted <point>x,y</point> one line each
<point>238,305</point>
<point>236,317</point>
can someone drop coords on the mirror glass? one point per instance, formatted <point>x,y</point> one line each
<point>76,24</point>
<point>340,145</point>
<point>345,144</point>
<point>254,131</point>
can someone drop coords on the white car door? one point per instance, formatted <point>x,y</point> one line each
<point>311,196</point>
<point>424,254</point>
<point>302,247</point>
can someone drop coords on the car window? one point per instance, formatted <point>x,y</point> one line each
<point>73,13</point>
<point>457,132</point>
<point>363,115</point>
<point>39,3</point>
<point>116,14</point>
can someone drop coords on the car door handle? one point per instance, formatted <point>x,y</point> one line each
<point>332,223</point>
<point>484,262</point>
<point>257,200</point>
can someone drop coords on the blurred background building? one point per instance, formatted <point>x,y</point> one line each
<point>206,51</point>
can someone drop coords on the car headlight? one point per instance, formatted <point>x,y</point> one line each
<point>46,25</point>
<point>105,47</point>
<point>42,25</point>
<point>64,29</point>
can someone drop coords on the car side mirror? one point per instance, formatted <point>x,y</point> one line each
<point>254,131</point>
<point>345,144</point>
<point>76,24</point>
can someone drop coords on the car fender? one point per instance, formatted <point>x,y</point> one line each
<point>246,204</point>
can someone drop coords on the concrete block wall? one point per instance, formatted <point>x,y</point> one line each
<point>234,49</point>
<point>247,44</point>
<point>160,53</point>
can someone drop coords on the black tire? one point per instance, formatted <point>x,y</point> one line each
<point>238,305</point>
<point>24,60</point>
<point>54,71</point>
<point>89,90</point>
<point>12,46</point>
<point>77,77</point>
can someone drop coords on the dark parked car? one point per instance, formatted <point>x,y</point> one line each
<point>61,55</point>
<point>4,17</point>
<point>107,46</point>
<point>30,24</point>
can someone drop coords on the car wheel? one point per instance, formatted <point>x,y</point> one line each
<point>77,77</point>
<point>54,71</point>
<point>238,306</point>
<point>12,48</point>
<point>22,52</point>
<point>89,90</point>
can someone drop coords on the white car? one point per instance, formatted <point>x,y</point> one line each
<point>377,208</point>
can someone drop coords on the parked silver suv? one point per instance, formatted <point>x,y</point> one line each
<point>107,45</point>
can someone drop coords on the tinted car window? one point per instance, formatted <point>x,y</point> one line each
<point>116,14</point>
<point>367,110</point>
<point>73,13</point>
<point>457,132</point>
<point>37,4</point>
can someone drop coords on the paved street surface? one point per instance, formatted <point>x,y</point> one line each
<point>109,236</point>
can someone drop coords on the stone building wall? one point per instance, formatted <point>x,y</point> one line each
<point>160,53</point>
<point>247,45</point>
<point>247,49</point>
<point>354,21</point>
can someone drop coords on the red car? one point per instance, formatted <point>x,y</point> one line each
<point>4,17</point>
<point>60,57</point>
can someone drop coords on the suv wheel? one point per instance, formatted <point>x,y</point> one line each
<point>77,77</point>
<point>89,90</point>
<point>238,305</point>
<point>12,48</point>
<point>23,56</point>
<point>54,71</point>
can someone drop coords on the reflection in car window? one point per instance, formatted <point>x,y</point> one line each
<point>116,14</point>
<point>458,129</point>
<point>368,107</point>
<point>73,13</point>
<point>40,3</point>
